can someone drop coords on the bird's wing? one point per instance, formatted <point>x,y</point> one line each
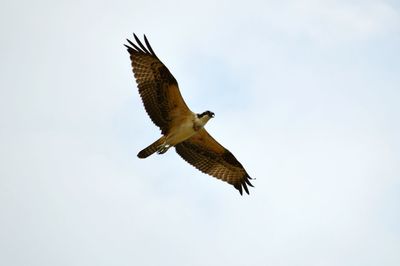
<point>206,154</point>
<point>157,86</point>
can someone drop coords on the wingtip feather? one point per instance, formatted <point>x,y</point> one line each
<point>239,187</point>
<point>140,44</point>
<point>246,189</point>
<point>247,180</point>
<point>149,46</point>
<point>244,185</point>
<point>134,46</point>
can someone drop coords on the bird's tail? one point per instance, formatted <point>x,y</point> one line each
<point>152,148</point>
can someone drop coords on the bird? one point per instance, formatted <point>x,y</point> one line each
<point>180,127</point>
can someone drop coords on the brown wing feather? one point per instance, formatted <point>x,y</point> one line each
<point>157,86</point>
<point>206,154</point>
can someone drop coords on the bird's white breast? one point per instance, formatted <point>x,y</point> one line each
<point>183,131</point>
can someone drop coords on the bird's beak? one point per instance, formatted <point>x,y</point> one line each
<point>212,115</point>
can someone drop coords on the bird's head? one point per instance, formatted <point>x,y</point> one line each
<point>206,113</point>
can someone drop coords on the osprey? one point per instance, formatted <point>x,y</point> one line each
<point>180,127</point>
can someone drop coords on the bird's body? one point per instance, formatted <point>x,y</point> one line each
<point>186,128</point>
<point>183,128</point>
<point>180,127</point>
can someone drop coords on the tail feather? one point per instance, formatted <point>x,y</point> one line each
<point>152,148</point>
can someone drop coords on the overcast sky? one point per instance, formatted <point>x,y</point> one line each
<point>306,95</point>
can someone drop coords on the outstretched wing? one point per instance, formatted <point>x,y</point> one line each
<point>206,154</point>
<point>157,87</point>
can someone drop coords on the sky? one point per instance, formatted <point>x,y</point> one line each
<point>306,95</point>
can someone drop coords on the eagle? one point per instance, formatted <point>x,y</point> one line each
<point>180,127</point>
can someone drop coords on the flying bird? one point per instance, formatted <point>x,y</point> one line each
<point>180,127</point>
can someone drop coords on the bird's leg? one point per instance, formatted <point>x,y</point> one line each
<point>163,148</point>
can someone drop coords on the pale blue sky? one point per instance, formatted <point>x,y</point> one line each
<point>306,95</point>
